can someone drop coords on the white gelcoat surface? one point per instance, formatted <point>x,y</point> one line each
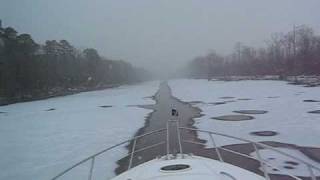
<point>201,168</point>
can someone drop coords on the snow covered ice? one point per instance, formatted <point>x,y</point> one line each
<point>287,114</point>
<point>40,139</point>
<point>287,165</point>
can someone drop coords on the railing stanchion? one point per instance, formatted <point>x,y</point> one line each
<point>179,137</point>
<point>313,177</point>
<point>266,175</point>
<point>132,152</point>
<point>215,147</point>
<point>91,168</point>
<point>168,146</point>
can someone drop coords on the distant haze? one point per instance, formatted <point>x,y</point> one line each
<point>162,34</point>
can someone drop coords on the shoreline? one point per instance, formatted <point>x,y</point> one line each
<point>307,81</point>
<point>54,93</point>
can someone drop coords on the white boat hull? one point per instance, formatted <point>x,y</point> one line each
<point>192,167</point>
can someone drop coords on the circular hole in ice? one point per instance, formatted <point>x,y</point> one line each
<point>251,111</point>
<point>292,163</point>
<point>288,167</point>
<point>233,118</point>
<point>264,133</point>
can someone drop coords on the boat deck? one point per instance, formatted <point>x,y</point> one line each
<point>187,167</point>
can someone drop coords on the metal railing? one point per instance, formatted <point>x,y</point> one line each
<point>218,150</point>
<point>256,145</point>
<point>131,154</point>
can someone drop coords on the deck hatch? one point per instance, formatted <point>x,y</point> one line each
<point>175,167</point>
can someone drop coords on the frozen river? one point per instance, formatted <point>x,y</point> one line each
<point>41,138</point>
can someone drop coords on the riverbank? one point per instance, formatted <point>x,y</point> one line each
<point>53,92</point>
<point>307,81</point>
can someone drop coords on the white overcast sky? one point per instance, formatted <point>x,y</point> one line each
<point>158,33</point>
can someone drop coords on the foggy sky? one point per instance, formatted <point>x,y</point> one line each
<point>158,34</point>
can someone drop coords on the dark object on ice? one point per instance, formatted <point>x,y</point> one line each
<point>310,100</point>
<point>244,99</point>
<point>227,97</point>
<point>264,133</point>
<point>251,111</point>
<point>2,112</point>
<point>273,97</point>
<point>174,112</point>
<point>222,102</point>
<point>217,103</point>
<point>315,112</point>
<point>51,109</point>
<point>230,101</point>
<point>105,106</point>
<point>295,83</point>
<point>233,118</point>
<point>149,97</point>
<point>288,167</point>
<point>292,163</point>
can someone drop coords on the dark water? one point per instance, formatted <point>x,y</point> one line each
<point>158,119</point>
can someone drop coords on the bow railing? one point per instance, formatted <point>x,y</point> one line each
<point>312,169</point>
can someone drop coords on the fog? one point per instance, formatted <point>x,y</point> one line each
<point>159,35</point>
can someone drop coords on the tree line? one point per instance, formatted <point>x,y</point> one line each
<point>29,69</point>
<point>285,54</point>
